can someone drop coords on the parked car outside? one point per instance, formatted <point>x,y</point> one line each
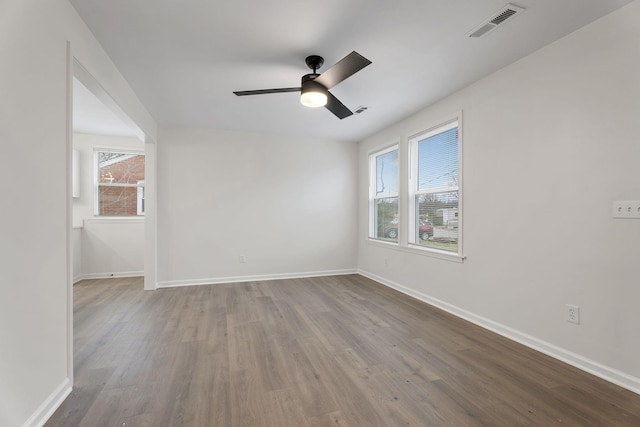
<point>425,230</point>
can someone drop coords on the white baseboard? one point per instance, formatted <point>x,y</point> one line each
<point>49,406</point>
<point>607,373</point>
<point>107,275</point>
<point>254,278</point>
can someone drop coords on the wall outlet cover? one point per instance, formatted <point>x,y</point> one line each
<point>572,314</point>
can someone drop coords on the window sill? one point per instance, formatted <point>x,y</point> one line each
<point>382,243</point>
<point>419,250</point>
<point>114,219</point>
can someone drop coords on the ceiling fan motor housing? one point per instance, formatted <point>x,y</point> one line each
<point>309,80</point>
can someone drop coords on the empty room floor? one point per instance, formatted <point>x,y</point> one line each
<point>330,351</point>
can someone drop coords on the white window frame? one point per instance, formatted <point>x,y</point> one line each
<point>413,192</point>
<point>140,198</point>
<point>373,196</point>
<point>97,184</point>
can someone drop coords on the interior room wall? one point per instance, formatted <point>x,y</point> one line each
<point>549,143</point>
<point>34,258</point>
<point>110,247</point>
<point>288,205</point>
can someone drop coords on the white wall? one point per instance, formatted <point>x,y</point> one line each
<point>287,204</point>
<point>34,249</point>
<point>553,138</point>
<point>110,247</point>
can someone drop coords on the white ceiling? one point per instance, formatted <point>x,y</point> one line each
<point>184,58</point>
<point>92,116</point>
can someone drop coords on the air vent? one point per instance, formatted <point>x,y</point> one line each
<point>504,14</point>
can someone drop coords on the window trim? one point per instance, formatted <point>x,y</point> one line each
<point>419,250</point>
<point>373,196</point>
<point>97,184</point>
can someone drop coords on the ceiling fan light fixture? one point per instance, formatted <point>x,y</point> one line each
<point>314,88</point>
<point>313,94</point>
<point>313,99</point>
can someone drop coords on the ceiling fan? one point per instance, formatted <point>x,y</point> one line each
<point>314,89</point>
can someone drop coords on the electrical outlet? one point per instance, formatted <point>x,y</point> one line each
<point>573,314</point>
<point>242,259</point>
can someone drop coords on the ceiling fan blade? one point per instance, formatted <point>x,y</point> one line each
<point>344,68</point>
<point>266,91</point>
<point>336,107</point>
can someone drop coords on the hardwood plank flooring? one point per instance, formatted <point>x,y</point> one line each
<point>331,351</point>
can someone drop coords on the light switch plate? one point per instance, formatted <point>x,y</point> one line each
<point>616,210</point>
<point>626,209</point>
<point>635,209</point>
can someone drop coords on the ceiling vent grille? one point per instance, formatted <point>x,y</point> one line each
<point>504,14</point>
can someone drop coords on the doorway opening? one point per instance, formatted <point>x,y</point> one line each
<point>100,241</point>
<point>108,189</point>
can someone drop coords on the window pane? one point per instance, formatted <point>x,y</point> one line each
<point>437,221</point>
<point>140,199</point>
<point>120,184</point>
<point>387,174</point>
<point>386,219</point>
<point>118,201</point>
<point>438,161</point>
<point>120,168</point>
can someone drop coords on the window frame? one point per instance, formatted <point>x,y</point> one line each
<point>413,141</point>
<point>140,197</point>
<point>373,196</point>
<point>97,184</point>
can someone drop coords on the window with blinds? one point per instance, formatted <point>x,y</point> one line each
<point>119,183</point>
<point>434,188</point>
<point>383,199</point>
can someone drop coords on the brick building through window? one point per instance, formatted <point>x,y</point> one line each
<point>120,184</point>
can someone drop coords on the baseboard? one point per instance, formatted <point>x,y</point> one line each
<point>49,406</point>
<point>107,275</point>
<point>607,373</point>
<point>254,278</point>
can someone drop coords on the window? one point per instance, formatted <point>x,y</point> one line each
<point>434,188</point>
<point>119,183</point>
<point>383,199</point>
<point>417,203</point>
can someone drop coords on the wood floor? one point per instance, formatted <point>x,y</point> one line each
<point>332,351</point>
